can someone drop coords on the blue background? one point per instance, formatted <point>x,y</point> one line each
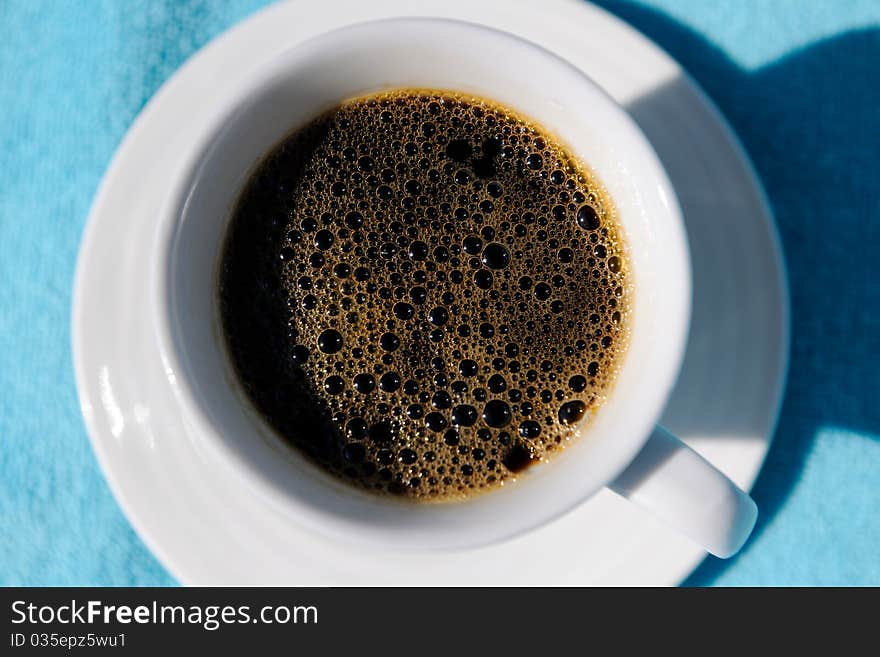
<point>797,79</point>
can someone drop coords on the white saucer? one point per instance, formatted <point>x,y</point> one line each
<point>207,530</point>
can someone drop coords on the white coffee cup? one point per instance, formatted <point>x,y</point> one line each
<point>621,447</point>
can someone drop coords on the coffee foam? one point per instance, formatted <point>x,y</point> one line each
<point>425,292</point>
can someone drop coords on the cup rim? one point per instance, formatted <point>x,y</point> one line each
<point>163,248</point>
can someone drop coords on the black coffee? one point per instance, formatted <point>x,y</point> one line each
<point>424,292</point>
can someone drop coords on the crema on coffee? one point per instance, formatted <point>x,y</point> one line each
<point>425,293</point>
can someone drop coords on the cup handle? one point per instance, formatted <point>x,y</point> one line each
<point>686,492</point>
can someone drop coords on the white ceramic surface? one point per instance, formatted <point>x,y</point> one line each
<point>435,53</point>
<point>207,530</point>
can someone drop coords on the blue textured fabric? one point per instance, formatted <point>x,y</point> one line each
<point>797,79</point>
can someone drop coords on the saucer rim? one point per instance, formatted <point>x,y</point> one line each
<point>90,401</point>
